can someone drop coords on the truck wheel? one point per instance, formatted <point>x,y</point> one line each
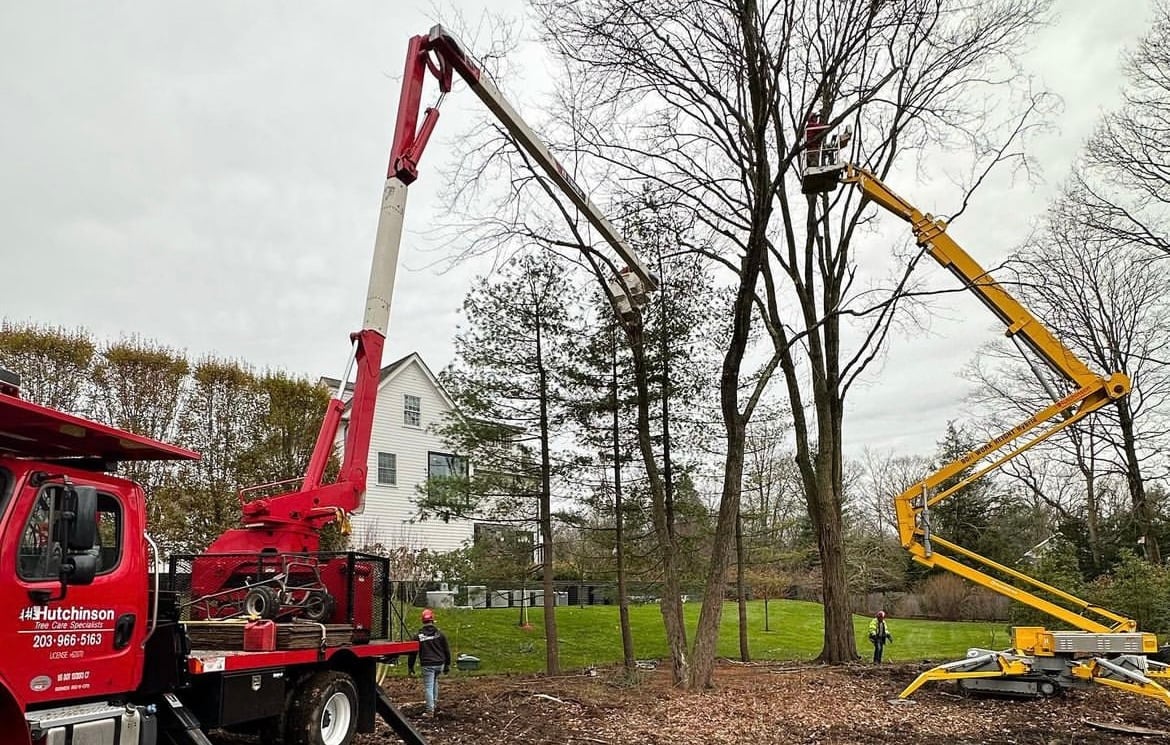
<point>324,711</point>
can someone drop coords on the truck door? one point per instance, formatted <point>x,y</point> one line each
<point>87,643</point>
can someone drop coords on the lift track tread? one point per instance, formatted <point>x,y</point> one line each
<point>393,717</point>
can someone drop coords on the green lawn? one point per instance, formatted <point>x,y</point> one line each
<point>590,635</point>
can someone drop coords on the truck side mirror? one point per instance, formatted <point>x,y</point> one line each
<point>80,507</point>
<point>75,535</point>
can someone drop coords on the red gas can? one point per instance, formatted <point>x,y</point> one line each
<point>259,636</point>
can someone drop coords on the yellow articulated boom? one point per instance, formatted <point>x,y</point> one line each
<point>1107,648</point>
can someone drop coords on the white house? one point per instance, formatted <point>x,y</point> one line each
<point>404,452</point>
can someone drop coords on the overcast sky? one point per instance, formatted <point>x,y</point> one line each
<point>208,175</point>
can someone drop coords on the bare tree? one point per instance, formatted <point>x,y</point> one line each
<point>1071,490</point>
<point>1096,291</point>
<point>1123,186</point>
<point>769,474</point>
<point>705,99</point>
<point>1092,289</point>
<point>1088,269</point>
<point>886,475</point>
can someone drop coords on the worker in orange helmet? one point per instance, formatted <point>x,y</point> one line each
<point>435,656</point>
<point>879,635</point>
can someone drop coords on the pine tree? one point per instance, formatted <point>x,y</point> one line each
<point>507,383</point>
<point>967,516</point>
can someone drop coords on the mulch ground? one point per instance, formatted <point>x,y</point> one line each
<point>758,704</point>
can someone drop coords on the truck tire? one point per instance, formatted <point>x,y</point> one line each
<point>324,710</point>
<point>318,606</point>
<point>261,601</point>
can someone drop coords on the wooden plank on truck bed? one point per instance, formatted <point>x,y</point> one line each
<point>230,635</point>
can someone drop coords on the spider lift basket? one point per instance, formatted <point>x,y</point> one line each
<point>349,589</point>
<point>821,179</point>
<point>823,164</point>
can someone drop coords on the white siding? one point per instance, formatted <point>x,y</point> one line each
<point>390,515</point>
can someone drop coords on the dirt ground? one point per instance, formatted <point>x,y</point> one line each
<point>757,704</point>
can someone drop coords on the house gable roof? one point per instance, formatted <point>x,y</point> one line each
<point>391,371</point>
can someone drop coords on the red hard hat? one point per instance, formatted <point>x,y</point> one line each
<point>428,615</point>
<point>880,614</point>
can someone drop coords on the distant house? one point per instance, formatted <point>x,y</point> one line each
<point>404,453</point>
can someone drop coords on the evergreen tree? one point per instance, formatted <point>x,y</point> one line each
<point>507,383</point>
<point>963,518</point>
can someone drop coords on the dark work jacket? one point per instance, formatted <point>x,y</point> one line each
<point>432,648</point>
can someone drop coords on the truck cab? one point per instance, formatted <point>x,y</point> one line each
<point>75,564</point>
<point>73,568</point>
<point>91,660</point>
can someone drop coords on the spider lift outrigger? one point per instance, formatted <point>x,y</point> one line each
<point>1107,648</point>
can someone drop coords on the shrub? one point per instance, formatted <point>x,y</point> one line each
<point>943,596</point>
<point>1056,566</point>
<point>1137,589</point>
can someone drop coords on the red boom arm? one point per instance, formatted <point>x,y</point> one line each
<point>291,521</point>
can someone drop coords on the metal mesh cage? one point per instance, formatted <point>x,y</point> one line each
<point>352,589</point>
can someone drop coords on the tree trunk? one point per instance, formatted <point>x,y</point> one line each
<point>671,604</point>
<point>839,643</point>
<point>619,525</point>
<point>735,421</point>
<point>628,659</point>
<point>1142,510</point>
<point>825,508</point>
<point>1092,514</point>
<point>667,463</point>
<point>551,647</point>
<point>745,654</point>
<point>710,615</point>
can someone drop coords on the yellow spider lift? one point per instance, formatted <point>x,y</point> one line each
<point>1107,649</point>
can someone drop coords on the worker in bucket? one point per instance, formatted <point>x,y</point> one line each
<point>435,657</point>
<point>879,635</point>
<point>814,133</point>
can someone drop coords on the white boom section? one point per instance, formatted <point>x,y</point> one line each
<point>523,134</point>
<point>387,241</point>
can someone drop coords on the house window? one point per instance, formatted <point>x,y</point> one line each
<point>444,465</point>
<point>448,487</point>
<point>411,410</point>
<point>387,469</point>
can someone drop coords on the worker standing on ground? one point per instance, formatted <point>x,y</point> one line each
<point>434,656</point>
<point>879,635</point>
